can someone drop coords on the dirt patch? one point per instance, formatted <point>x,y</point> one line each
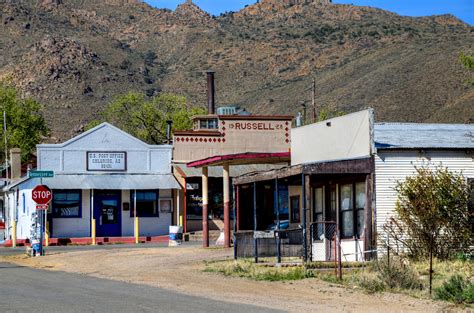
<point>181,269</point>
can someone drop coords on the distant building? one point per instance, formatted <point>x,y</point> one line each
<point>100,176</point>
<point>219,147</point>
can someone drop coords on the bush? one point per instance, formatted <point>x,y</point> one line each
<point>457,290</point>
<point>381,276</point>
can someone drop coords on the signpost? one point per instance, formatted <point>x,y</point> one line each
<point>42,195</point>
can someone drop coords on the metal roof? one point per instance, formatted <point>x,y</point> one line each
<point>419,136</point>
<point>105,181</point>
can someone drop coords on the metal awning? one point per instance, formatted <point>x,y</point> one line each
<point>112,181</point>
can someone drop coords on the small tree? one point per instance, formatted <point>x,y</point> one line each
<point>25,124</point>
<point>432,213</point>
<point>467,60</point>
<point>145,118</point>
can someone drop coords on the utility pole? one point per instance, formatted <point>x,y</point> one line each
<point>313,98</point>
<point>6,145</point>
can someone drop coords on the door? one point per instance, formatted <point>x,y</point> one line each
<point>107,213</point>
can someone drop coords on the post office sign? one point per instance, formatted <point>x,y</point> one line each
<point>106,161</point>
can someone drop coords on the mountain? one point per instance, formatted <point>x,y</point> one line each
<point>74,56</point>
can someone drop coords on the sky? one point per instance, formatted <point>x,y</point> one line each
<point>463,9</point>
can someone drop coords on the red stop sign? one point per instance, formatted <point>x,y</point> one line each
<point>41,194</point>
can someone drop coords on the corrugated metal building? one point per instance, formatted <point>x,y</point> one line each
<point>400,147</point>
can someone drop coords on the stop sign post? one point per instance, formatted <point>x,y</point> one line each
<point>42,195</point>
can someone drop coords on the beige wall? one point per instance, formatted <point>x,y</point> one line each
<point>344,137</point>
<point>236,136</point>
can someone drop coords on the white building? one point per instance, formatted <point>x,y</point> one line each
<point>351,166</point>
<point>99,175</point>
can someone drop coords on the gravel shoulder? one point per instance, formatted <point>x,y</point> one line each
<point>181,269</point>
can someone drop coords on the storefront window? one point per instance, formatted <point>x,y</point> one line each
<point>360,206</point>
<point>318,211</point>
<point>347,213</point>
<point>66,203</point>
<point>147,203</point>
<point>194,199</point>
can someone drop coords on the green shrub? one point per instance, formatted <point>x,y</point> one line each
<point>398,275</point>
<point>456,289</point>
<point>381,276</point>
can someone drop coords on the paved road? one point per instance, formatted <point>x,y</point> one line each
<point>19,250</point>
<point>24,289</point>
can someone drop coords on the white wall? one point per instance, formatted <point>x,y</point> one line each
<point>75,227</point>
<point>149,226</point>
<point>71,156</point>
<point>347,137</point>
<point>393,166</point>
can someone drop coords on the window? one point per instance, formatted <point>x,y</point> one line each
<point>66,203</point>
<point>360,206</point>
<point>352,209</point>
<point>147,203</point>
<point>24,203</point>
<point>318,204</point>
<point>295,209</point>
<point>318,211</point>
<point>166,205</point>
<point>208,124</point>
<point>347,212</point>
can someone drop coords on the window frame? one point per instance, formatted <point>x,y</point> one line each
<point>56,191</point>
<point>132,204</point>
<point>351,209</point>
<point>321,213</point>
<point>295,212</point>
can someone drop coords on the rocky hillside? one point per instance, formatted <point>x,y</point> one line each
<point>76,55</point>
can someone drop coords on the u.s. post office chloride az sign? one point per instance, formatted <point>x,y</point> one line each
<point>106,161</point>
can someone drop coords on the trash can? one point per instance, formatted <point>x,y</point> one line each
<point>175,236</point>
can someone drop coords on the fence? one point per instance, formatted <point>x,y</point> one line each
<point>275,243</point>
<point>326,245</point>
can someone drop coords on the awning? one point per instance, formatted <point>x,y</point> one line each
<point>112,181</point>
<point>243,158</point>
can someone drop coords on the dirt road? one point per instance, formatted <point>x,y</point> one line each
<point>180,269</point>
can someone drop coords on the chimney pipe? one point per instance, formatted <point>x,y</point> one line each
<point>15,163</point>
<point>168,131</point>
<point>211,94</point>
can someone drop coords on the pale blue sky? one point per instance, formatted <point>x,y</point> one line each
<point>463,9</point>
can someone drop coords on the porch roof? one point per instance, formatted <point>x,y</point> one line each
<point>108,181</point>
<point>349,166</point>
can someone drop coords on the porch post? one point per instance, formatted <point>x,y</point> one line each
<point>225,176</point>
<point>237,208</point>
<point>255,240</point>
<point>93,222</point>
<point>304,205</point>
<point>368,218</point>
<point>276,207</point>
<point>205,203</point>
<point>135,218</point>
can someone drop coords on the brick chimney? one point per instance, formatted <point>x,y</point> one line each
<point>15,163</point>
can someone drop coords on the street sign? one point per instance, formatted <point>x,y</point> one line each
<point>42,207</point>
<point>41,194</point>
<point>40,174</point>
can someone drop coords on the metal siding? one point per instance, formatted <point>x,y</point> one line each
<point>393,166</point>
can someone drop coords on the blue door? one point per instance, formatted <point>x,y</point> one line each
<point>107,213</point>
